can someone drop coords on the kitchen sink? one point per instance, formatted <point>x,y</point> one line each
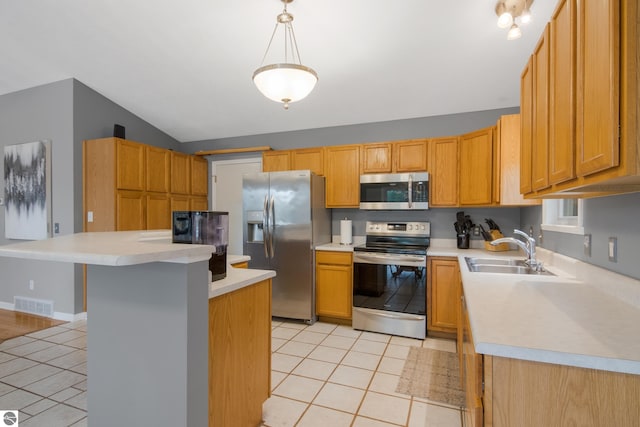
<point>503,266</point>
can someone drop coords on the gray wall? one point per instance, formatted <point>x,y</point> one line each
<point>604,217</point>
<point>66,112</point>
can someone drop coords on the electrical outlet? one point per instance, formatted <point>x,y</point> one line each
<point>476,230</point>
<point>587,244</point>
<point>90,216</point>
<point>613,249</point>
<point>56,228</point>
<point>32,284</point>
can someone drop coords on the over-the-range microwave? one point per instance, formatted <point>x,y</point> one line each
<point>394,191</point>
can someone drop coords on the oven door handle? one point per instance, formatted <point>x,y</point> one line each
<point>373,259</point>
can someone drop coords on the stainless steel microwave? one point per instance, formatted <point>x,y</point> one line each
<point>394,191</point>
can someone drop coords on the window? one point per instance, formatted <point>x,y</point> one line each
<point>562,215</point>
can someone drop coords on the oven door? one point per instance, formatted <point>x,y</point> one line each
<point>390,293</point>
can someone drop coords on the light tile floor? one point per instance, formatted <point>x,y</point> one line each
<point>322,375</point>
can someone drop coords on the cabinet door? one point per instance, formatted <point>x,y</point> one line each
<point>199,176</point>
<point>158,161</point>
<point>443,171</point>
<point>526,127</point>
<point>130,174</point>
<point>540,146</point>
<point>443,277</point>
<point>342,176</point>
<point>275,161</point>
<point>180,173</point>
<point>308,158</point>
<point>410,156</point>
<point>334,276</point>
<point>476,167</point>
<point>598,86</point>
<point>130,211</point>
<point>179,203</point>
<point>473,376</point>
<point>376,158</point>
<point>562,106</point>
<point>198,204</point>
<point>158,211</point>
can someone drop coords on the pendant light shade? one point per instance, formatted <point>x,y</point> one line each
<point>287,81</point>
<point>510,10</point>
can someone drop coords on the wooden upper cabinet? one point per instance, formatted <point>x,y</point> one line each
<point>562,96</point>
<point>180,173</point>
<point>308,158</point>
<point>540,146</point>
<point>443,172</point>
<point>598,58</point>
<point>158,161</point>
<point>377,157</point>
<point>508,168</point>
<point>275,161</point>
<point>526,127</point>
<point>199,176</point>
<point>342,175</point>
<point>476,167</point>
<point>158,211</point>
<point>410,156</point>
<point>130,172</point>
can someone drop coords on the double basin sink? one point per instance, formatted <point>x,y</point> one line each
<point>504,266</point>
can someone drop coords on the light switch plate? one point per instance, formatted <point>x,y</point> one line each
<point>587,244</point>
<point>613,249</point>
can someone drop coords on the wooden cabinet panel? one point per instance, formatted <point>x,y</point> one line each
<point>199,176</point>
<point>473,373</point>
<point>598,86</point>
<point>334,281</point>
<point>180,203</point>
<point>526,127</point>
<point>342,176</point>
<point>443,172</point>
<point>562,78</point>
<point>476,167</point>
<point>158,161</point>
<point>198,204</point>
<point>376,158</point>
<point>540,146</point>
<point>410,156</point>
<point>275,161</point>
<point>308,158</point>
<point>99,184</point>
<point>443,283</point>
<point>180,173</point>
<point>158,211</point>
<point>130,211</point>
<point>240,355</point>
<point>130,172</point>
<point>508,167</point>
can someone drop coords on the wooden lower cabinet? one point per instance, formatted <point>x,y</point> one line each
<point>443,284</point>
<point>334,284</point>
<point>158,211</point>
<point>506,392</point>
<point>240,355</point>
<point>130,208</point>
<point>242,264</point>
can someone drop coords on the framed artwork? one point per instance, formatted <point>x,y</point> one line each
<point>27,190</point>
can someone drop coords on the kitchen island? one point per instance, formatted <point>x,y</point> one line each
<point>150,342</point>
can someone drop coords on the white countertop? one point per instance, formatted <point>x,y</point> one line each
<point>336,247</point>
<point>238,278</point>
<point>584,316</point>
<point>115,248</point>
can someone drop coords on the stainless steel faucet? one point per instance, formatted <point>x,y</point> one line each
<point>528,246</point>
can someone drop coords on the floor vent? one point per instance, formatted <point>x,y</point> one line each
<point>33,306</point>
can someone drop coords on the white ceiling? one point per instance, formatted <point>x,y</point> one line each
<point>185,66</point>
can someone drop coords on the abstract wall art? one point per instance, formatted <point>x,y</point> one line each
<point>27,190</point>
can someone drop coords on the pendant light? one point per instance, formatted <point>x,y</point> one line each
<point>288,81</point>
<point>508,11</point>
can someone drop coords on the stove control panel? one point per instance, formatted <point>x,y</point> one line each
<point>415,228</point>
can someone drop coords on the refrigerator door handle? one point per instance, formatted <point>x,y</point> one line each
<point>272,231</point>
<point>265,226</point>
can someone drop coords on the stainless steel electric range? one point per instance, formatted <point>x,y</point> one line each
<point>389,279</point>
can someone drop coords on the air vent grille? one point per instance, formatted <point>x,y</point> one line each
<point>34,306</point>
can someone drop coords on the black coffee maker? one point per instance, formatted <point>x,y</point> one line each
<point>205,228</point>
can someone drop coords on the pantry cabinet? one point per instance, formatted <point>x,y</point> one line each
<point>592,122</point>
<point>126,185</point>
<point>342,176</point>
<point>334,282</point>
<point>443,290</point>
<point>476,168</point>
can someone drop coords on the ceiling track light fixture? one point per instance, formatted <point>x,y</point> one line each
<point>287,81</point>
<point>508,11</point>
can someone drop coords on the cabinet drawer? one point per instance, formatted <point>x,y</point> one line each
<point>334,258</point>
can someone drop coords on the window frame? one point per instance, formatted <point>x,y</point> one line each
<point>553,220</point>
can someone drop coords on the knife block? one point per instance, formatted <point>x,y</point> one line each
<point>495,234</point>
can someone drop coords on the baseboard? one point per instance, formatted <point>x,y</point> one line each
<point>57,315</point>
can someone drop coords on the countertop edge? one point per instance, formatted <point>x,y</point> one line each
<point>238,278</point>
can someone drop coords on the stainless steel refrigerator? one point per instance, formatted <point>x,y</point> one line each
<point>284,218</point>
